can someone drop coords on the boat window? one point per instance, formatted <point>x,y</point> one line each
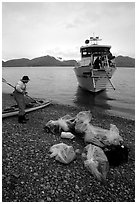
<point>86,53</point>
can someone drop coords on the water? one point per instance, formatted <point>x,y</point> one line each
<point>60,85</point>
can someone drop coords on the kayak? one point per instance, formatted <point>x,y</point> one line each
<point>13,110</point>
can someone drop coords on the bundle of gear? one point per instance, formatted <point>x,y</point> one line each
<point>102,147</point>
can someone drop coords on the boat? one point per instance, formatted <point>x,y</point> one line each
<point>13,110</point>
<point>96,67</point>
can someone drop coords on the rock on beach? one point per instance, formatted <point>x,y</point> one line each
<point>30,175</point>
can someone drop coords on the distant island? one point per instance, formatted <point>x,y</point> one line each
<point>121,61</point>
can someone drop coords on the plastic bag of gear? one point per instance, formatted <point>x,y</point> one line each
<point>102,137</point>
<point>63,153</point>
<point>96,162</point>
<point>82,119</point>
<point>65,124</point>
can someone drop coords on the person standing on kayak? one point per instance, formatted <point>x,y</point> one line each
<point>19,93</point>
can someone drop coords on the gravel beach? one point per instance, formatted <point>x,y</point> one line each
<point>30,175</point>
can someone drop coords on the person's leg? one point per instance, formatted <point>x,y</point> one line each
<point>21,105</point>
<point>22,109</point>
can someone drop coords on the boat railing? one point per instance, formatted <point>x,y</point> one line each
<point>105,63</point>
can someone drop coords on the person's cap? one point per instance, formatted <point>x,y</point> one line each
<point>25,78</point>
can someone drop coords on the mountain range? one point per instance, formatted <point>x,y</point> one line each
<point>121,61</point>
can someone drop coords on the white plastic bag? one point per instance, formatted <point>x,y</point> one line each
<point>96,162</point>
<point>82,119</point>
<point>65,123</point>
<point>84,116</point>
<point>63,153</point>
<point>113,135</point>
<point>52,126</point>
<point>102,137</point>
<point>67,135</point>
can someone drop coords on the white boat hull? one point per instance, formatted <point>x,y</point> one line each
<point>94,81</point>
<point>96,66</point>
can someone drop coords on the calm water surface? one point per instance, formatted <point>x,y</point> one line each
<point>60,85</point>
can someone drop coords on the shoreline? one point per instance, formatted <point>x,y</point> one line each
<point>8,100</point>
<point>30,175</point>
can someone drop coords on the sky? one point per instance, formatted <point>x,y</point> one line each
<point>58,29</point>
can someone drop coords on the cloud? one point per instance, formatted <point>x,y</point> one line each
<point>33,28</point>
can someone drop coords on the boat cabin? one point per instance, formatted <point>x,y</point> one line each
<point>98,56</point>
<point>90,50</point>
